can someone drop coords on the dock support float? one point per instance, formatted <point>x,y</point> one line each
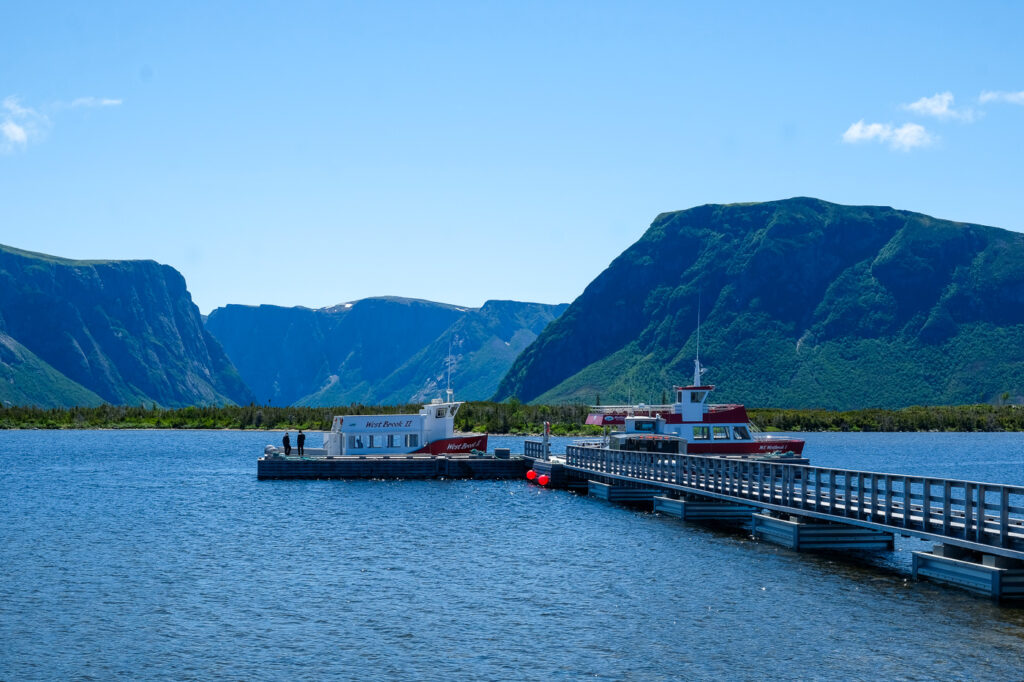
<point>999,578</point>
<point>703,510</point>
<point>620,493</point>
<point>557,475</point>
<point>802,535</point>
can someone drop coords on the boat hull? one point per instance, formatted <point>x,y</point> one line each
<point>757,447</point>
<point>449,446</point>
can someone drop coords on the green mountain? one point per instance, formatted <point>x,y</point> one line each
<point>123,332</point>
<point>376,350</point>
<point>803,304</point>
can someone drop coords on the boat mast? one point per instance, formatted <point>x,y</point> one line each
<point>696,363</point>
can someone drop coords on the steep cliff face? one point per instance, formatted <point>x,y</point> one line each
<point>125,331</point>
<point>336,354</point>
<point>804,304</point>
<point>376,350</point>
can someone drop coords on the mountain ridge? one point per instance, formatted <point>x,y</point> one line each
<point>799,296</point>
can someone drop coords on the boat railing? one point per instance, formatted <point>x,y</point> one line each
<point>758,433</point>
<point>590,442</point>
<point>615,409</point>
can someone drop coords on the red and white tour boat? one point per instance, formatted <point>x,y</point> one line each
<point>715,430</point>
<point>430,432</point>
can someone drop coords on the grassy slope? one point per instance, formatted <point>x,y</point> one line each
<point>25,379</point>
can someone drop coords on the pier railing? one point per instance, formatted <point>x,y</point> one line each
<point>535,449</point>
<point>982,516</point>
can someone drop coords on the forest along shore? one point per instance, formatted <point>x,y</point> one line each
<point>510,418</point>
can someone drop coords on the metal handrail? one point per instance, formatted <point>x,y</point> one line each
<point>983,516</point>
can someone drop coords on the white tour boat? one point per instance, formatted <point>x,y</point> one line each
<point>430,432</point>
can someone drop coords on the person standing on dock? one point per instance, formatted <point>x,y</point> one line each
<point>300,440</point>
<point>287,444</point>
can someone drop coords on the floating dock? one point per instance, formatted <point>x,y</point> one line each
<point>483,466</point>
<point>977,528</point>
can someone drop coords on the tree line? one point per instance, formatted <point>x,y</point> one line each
<point>510,417</point>
<point>932,418</point>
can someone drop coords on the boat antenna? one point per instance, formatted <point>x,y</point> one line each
<point>696,363</point>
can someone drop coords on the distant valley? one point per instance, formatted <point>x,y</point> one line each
<point>376,350</point>
<point>127,333</point>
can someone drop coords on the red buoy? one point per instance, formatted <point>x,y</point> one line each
<point>543,479</point>
<point>530,475</point>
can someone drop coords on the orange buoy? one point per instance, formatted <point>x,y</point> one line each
<point>543,479</point>
<point>530,475</point>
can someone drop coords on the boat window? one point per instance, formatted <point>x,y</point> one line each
<point>721,433</point>
<point>740,433</point>
<point>696,396</point>
<point>375,441</point>
<point>643,426</point>
<point>701,433</point>
<point>452,410</point>
<point>679,396</point>
<point>355,441</point>
<point>441,412</point>
<point>412,440</point>
<point>394,441</point>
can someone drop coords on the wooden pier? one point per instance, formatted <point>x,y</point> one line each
<point>977,528</point>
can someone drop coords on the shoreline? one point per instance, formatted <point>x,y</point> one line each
<point>467,433</point>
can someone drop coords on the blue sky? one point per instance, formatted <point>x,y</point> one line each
<point>314,153</point>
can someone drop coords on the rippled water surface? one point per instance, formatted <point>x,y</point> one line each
<point>158,555</point>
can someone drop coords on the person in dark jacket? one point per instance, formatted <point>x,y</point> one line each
<point>287,444</point>
<point>300,440</point>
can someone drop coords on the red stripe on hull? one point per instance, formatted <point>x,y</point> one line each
<point>757,447</point>
<point>451,446</point>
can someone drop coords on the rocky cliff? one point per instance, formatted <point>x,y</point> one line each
<point>804,303</point>
<point>123,332</point>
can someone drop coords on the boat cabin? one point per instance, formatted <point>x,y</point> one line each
<point>693,432</point>
<point>393,433</point>
<point>647,442</point>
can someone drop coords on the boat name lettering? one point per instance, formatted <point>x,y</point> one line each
<point>385,424</point>
<point>464,445</point>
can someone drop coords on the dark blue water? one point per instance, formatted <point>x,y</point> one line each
<point>158,555</point>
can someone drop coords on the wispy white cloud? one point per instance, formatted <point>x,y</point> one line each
<point>19,124</point>
<point>95,102</point>
<point>1001,96</point>
<point>940,105</point>
<point>903,138</point>
<point>22,125</point>
<point>13,132</point>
